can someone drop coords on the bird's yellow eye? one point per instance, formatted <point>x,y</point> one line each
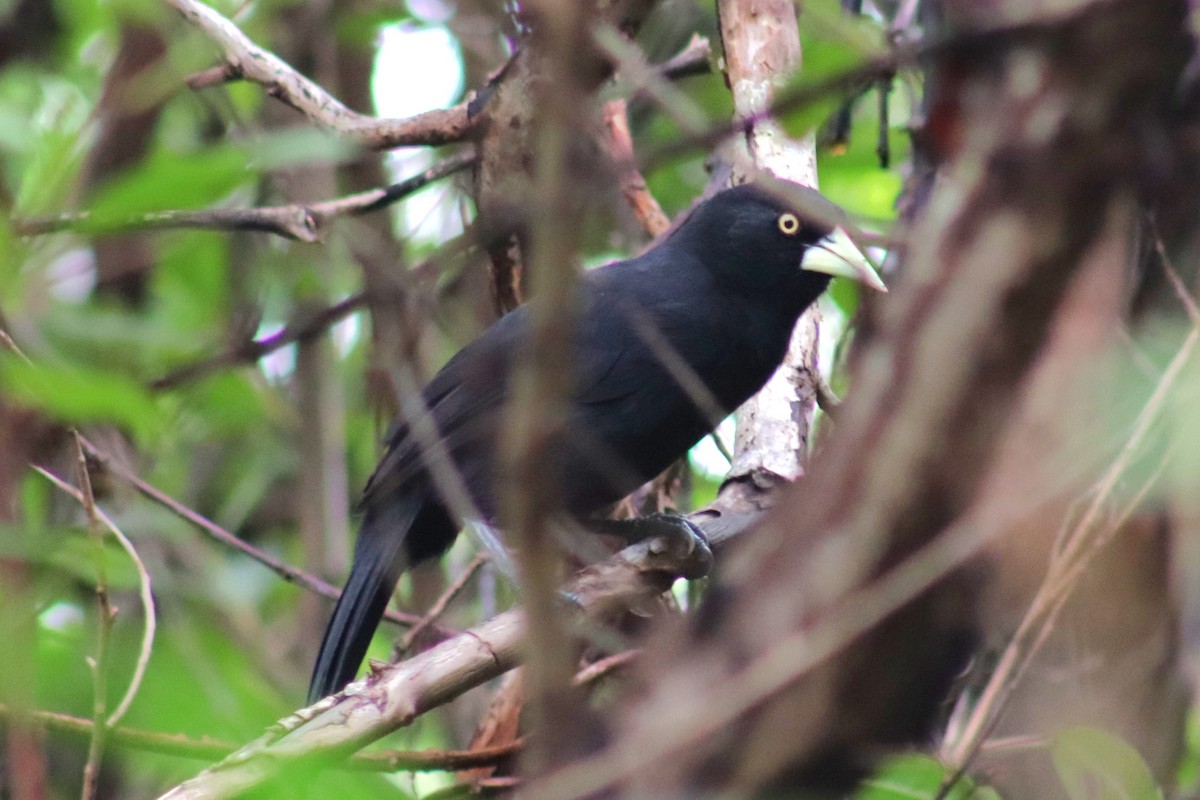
<point>788,224</point>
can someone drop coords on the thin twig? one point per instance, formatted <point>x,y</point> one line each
<point>254,349</point>
<point>284,570</point>
<point>646,209</point>
<point>434,760</point>
<point>1181,290</point>
<point>439,607</point>
<point>247,60</point>
<point>1077,550</point>
<point>604,667</point>
<point>208,749</point>
<point>636,71</point>
<point>827,399</point>
<point>1032,633</point>
<point>106,616</point>
<point>694,59</point>
<point>1011,745</point>
<point>12,346</point>
<point>145,595</point>
<point>213,76</point>
<point>721,446</point>
<point>312,324</point>
<point>304,222</point>
<point>904,54</point>
<point>484,787</point>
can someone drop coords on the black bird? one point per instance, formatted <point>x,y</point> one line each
<point>717,300</point>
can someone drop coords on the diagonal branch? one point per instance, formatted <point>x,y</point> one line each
<point>394,696</point>
<point>245,59</point>
<point>254,349</point>
<point>284,570</point>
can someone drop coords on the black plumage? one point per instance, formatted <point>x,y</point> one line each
<point>717,300</point>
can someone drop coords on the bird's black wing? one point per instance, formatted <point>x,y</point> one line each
<point>464,401</point>
<point>629,410</point>
<point>643,368</point>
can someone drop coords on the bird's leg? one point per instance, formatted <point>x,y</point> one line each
<point>667,534</point>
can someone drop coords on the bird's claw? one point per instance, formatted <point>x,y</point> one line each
<point>678,542</point>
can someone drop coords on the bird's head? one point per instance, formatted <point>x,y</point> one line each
<point>776,236</point>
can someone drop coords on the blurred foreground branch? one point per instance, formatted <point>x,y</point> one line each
<point>987,267</point>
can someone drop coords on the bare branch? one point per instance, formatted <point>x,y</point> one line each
<point>439,607</point>
<point>145,594</point>
<point>395,695</point>
<point>633,185</point>
<point>106,615</point>
<point>216,532</point>
<point>303,222</point>
<point>804,94</point>
<point>253,350</point>
<point>297,331</point>
<point>694,59</point>
<point>12,346</point>
<point>245,59</point>
<point>604,667</point>
<point>175,744</point>
<point>1086,537</point>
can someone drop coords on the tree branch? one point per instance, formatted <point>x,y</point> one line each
<point>216,532</point>
<point>989,264</point>
<point>1045,25</point>
<point>303,222</point>
<point>208,749</point>
<point>395,695</point>
<point>245,59</point>
<point>254,349</point>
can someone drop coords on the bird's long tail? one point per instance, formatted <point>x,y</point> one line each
<point>379,558</point>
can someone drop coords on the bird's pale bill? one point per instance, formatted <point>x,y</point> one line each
<point>839,256</point>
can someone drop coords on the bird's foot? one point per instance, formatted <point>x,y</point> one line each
<point>677,540</point>
<point>670,540</point>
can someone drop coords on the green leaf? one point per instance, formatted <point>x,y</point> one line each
<point>822,59</point>
<point>192,285</point>
<point>832,43</point>
<point>852,176</point>
<point>52,163</point>
<point>1093,764</point>
<point>292,147</point>
<point>168,181</point>
<point>845,295</point>
<point>229,402</point>
<point>78,394</point>
<point>825,20</point>
<point>360,28</point>
<point>917,777</point>
<point>112,339</point>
